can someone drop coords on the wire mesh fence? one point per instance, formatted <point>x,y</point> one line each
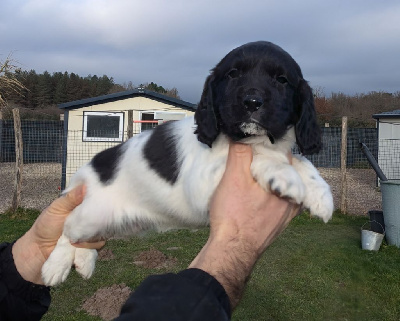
<point>389,157</point>
<point>42,155</point>
<point>42,141</point>
<point>361,193</point>
<point>80,151</point>
<point>52,155</point>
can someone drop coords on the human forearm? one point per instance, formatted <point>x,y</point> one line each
<point>231,263</point>
<point>191,294</point>
<point>231,259</point>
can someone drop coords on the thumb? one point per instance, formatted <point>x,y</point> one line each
<point>66,203</point>
<point>240,157</point>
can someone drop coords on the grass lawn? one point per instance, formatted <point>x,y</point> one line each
<point>314,271</point>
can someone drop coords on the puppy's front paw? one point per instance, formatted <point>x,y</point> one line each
<point>85,261</point>
<point>284,181</point>
<point>320,202</point>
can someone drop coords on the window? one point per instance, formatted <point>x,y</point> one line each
<point>155,118</point>
<point>103,126</point>
<point>150,122</point>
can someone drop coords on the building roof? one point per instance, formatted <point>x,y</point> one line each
<point>388,114</point>
<point>127,94</point>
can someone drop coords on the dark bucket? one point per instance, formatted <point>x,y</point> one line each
<point>377,221</point>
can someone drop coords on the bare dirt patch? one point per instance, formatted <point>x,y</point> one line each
<point>154,259</point>
<point>105,255</point>
<point>107,302</point>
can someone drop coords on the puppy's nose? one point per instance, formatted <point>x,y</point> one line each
<point>253,102</point>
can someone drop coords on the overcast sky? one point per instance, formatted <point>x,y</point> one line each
<point>341,46</point>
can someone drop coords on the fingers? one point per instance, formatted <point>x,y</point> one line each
<point>90,245</point>
<point>239,160</point>
<point>65,204</point>
<point>290,157</point>
<point>292,211</point>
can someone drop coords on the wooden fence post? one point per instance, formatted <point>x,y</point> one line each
<point>130,124</point>
<point>1,135</point>
<point>18,160</point>
<point>343,167</point>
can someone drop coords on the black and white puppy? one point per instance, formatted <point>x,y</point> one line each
<point>164,179</point>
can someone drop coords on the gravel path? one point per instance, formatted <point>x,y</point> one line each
<point>362,193</point>
<point>41,184</point>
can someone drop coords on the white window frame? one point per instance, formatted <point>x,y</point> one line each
<point>158,113</point>
<point>103,139</point>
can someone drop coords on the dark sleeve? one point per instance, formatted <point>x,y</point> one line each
<point>190,295</point>
<point>19,299</point>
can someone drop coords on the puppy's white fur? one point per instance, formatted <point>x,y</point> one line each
<point>139,199</point>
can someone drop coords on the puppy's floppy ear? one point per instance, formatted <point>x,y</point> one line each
<point>207,126</point>
<point>308,132</point>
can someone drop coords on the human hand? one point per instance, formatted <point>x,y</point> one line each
<point>244,220</point>
<point>32,250</point>
<point>242,210</point>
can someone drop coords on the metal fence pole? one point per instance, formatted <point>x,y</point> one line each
<point>1,136</point>
<point>343,165</point>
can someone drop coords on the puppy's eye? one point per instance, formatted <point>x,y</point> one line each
<point>234,73</point>
<point>282,79</point>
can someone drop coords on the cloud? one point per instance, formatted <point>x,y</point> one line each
<point>348,46</point>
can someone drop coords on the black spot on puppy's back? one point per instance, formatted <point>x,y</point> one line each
<point>161,153</point>
<point>105,163</point>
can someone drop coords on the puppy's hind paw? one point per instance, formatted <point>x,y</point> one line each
<point>53,275</point>
<point>85,261</point>
<point>57,267</point>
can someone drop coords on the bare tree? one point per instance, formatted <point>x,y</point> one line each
<point>9,84</point>
<point>173,93</point>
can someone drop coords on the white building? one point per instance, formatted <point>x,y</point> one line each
<point>94,124</point>
<point>388,124</point>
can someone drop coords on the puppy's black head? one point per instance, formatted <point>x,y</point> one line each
<point>258,89</point>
